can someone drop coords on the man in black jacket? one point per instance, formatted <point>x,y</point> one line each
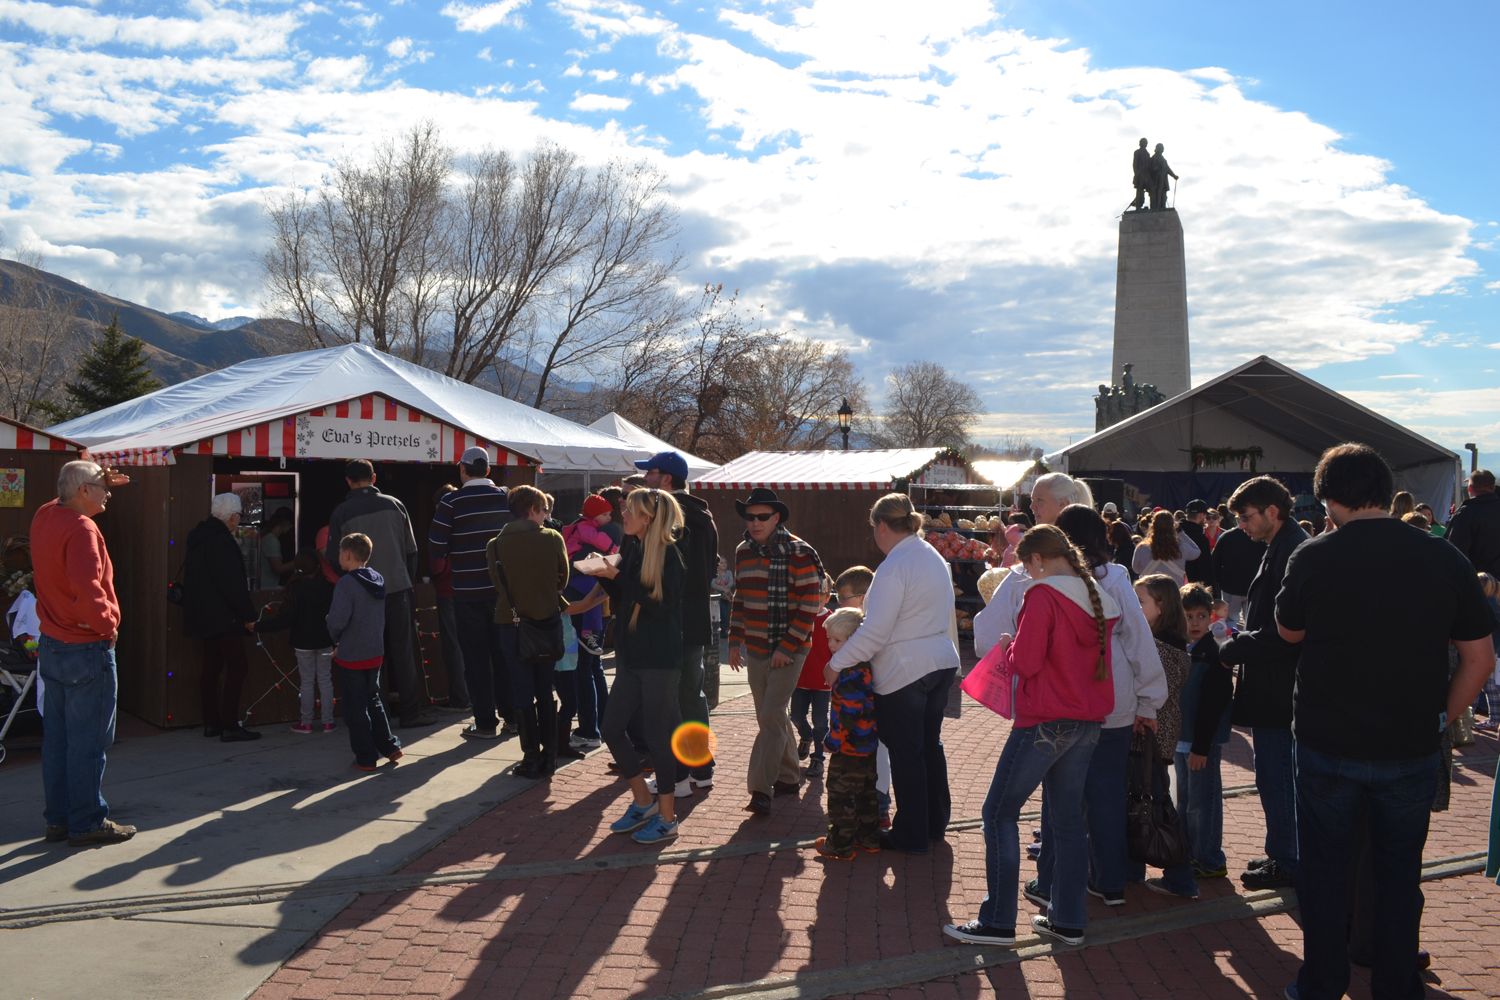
<point>699,545</point>
<point>367,511</point>
<point>1200,570</point>
<point>1268,672</point>
<point>217,609</point>
<point>1237,557</point>
<point>1474,528</point>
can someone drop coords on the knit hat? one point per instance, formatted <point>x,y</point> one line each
<point>595,505</point>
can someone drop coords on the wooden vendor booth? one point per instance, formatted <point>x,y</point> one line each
<point>278,432</point>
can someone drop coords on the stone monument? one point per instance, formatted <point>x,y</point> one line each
<point>1119,402</point>
<point>1151,327</point>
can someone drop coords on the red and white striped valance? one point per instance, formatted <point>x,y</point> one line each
<point>703,485</point>
<point>21,438</point>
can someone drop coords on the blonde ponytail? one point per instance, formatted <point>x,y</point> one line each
<point>664,527</point>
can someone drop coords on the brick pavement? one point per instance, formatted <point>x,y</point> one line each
<point>654,930</point>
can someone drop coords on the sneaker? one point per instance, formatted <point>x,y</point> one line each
<point>1272,876</point>
<point>1203,871</point>
<point>1487,726</point>
<point>329,727</point>
<point>655,831</point>
<point>107,832</point>
<point>682,790</point>
<point>704,782</point>
<point>473,732</point>
<point>1034,852</point>
<point>590,644</point>
<point>647,767</point>
<point>583,742</point>
<point>1257,864</point>
<point>1111,898</point>
<point>302,729</point>
<point>394,755</point>
<point>974,932</point>
<point>822,848</point>
<point>871,849</point>
<point>508,728</point>
<point>635,817</point>
<point>804,747</point>
<point>364,767</point>
<point>1291,992</point>
<point>1160,885</point>
<point>814,768</point>
<point>238,734</point>
<point>1046,928</point>
<point>885,822</point>
<point>57,834</point>
<point>1032,890</point>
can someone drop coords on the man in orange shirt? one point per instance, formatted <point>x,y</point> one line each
<point>80,618</point>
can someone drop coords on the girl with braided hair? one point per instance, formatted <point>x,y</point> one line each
<point>1060,662</point>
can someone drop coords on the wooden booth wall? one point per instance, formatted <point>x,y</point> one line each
<point>146,529</point>
<point>835,522</point>
<point>41,469</point>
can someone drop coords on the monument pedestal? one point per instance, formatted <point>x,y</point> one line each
<point>1151,321</point>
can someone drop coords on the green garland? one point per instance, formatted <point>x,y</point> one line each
<point>1222,457</point>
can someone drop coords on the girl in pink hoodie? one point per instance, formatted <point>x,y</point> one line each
<point>1059,660</point>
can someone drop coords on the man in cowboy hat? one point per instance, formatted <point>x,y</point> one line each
<point>778,578</point>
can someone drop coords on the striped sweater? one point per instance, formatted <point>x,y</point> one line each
<point>462,526</point>
<point>749,618</point>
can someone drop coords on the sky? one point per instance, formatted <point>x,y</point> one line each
<point>936,181</point>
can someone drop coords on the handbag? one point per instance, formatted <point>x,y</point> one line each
<point>1153,832</point>
<point>992,683</point>
<point>540,640</point>
<point>176,593</point>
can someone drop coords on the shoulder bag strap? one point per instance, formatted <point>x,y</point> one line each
<point>509,597</point>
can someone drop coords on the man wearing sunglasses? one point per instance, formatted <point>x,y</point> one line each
<point>80,617</point>
<point>778,578</point>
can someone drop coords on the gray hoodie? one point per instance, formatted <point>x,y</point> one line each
<point>356,619</point>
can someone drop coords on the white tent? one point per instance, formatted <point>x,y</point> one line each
<point>613,423</point>
<point>1263,406</point>
<point>254,392</point>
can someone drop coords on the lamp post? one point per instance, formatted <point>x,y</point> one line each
<point>846,414</point>
<point>1473,457</point>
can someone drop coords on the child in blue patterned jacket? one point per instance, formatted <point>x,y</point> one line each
<point>853,809</point>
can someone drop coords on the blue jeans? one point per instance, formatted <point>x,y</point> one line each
<point>1200,802</point>
<point>370,735</point>
<point>485,672</point>
<point>1332,793</point>
<point>1056,756</point>
<point>1276,780</point>
<point>530,683</point>
<point>807,702</point>
<point>692,705</point>
<point>910,721</point>
<point>1104,810</point>
<point>1178,878</point>
<point>78,725</point>
<point>593,694</point>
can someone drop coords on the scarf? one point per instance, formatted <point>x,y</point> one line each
<point>778,551</point>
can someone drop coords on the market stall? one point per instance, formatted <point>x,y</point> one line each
<point>830,494</point>
<point>278,432</point>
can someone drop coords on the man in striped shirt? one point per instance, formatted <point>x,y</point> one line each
<point>462,527</point>
<point>777,583</point>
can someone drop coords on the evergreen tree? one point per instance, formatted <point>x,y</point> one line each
<point>112,370</point>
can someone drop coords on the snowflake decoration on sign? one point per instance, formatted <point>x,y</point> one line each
<point>304,433</point>
<point>432,446</point>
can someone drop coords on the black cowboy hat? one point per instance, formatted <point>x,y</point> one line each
<point>762,497</point>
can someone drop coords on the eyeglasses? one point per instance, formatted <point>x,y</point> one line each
<point>758,517</point>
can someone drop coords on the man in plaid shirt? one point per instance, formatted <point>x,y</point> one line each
<point>777,578</point>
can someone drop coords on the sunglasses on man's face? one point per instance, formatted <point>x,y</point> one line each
<point>758,517</point>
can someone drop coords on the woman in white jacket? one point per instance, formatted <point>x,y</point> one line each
<point>912,664</point>
<point>1140,690</point>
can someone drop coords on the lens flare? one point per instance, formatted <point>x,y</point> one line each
<point>693,743</point>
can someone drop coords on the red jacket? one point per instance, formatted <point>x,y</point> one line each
<point>74,579</point>
<point>1056,651</point>
<point>812,678</point>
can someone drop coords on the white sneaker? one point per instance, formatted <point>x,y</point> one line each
<point>707,782</point>
<point>582,743</point>
<point>683,789</point>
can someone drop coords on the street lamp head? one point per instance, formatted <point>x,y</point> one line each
<point>845,415</point>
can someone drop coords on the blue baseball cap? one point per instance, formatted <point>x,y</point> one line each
<point>669,462</point>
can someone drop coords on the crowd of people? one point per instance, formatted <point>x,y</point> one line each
<point>1124,657</point>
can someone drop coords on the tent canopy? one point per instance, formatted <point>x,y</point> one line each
<point>1266,405</point>
<point>254,391</point>
<point>870,469</point>
<point>616,425</point>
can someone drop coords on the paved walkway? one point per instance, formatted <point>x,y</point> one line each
<point>735,907</point>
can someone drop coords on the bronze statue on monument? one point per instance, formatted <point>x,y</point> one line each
<point>1149,175</point>
<point>1119,402</point>
<point>1140,166</point>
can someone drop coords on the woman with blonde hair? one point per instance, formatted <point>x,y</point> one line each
<point>1402,503</point>
<point>912,664</point>
<point>1164,550</point>
<point>646,590</point>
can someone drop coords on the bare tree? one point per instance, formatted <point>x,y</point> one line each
<point>40,333</point>
<point>926,406</point>
<point>789,394</point>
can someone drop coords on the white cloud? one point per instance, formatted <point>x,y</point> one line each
<point>483,17</point>
<point>599,102</point>
<point>248,34</point>
<point>603,75</point>
<point>331,71</point>
<point>484,54</point>
<point>398,48</point>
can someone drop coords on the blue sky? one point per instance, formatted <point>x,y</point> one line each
<point>911,181</point>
